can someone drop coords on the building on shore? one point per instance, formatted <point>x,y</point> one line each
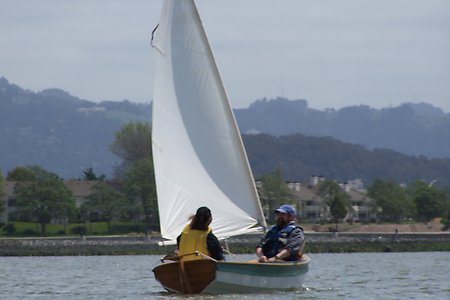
<point>81,189</point>
<point>313,208</point>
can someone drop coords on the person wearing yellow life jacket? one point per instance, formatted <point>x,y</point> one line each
<point>198,236</point>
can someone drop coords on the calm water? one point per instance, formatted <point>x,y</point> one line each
<point>423,275</point>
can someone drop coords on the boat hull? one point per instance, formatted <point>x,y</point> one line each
<point>190,277</point>
<point>210,277</point>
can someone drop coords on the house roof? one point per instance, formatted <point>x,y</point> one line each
<point>81,188</point>
<point>305,194</point>
<point>357,196</point>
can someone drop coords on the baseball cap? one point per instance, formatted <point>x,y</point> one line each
<point>286,209</point>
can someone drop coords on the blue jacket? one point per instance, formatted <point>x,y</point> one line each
<point>289,237</point>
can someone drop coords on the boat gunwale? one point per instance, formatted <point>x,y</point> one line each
<point>305,261</point>
<point>257,263</point>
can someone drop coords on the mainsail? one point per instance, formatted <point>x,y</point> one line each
<point>198,154</point>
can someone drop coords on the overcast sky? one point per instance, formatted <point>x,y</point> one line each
<point>333,53</point>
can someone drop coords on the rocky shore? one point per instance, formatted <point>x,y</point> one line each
<point>322,242</point>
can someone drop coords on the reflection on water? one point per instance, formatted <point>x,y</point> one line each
<point>331,276</point>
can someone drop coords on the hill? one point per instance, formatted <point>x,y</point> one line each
<point>413,129</point>
<point>299,156</point>
<point>60,132</point>
<point>65,135</point>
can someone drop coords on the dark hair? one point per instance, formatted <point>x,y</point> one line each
<point>201,219</point>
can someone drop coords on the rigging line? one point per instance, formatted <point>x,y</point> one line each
<point>153,35</point>
<point>233,254</point>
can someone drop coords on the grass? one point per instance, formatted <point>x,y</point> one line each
<point>93,228</point>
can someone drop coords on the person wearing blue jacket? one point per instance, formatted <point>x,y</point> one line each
<point>284,241</point>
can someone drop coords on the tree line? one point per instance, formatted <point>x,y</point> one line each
<point>298,156</point>
<point>42,197</point>
<point>393,202</point>
<point>410,128</point>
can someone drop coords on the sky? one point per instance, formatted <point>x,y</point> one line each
<point>333,53</point>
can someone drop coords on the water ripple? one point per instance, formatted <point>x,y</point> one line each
<point>331,276</point>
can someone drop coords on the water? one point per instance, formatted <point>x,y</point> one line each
<point>423,275</point>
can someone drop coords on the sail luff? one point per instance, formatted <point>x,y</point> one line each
<point>261,219</point>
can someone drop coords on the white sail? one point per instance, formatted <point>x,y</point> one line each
<point>198,153</point>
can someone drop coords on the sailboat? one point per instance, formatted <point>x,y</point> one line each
<point>199,160</point>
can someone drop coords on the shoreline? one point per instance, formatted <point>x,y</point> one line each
<point>317,242</point>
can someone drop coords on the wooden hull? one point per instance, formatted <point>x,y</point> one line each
<point>210,277</point>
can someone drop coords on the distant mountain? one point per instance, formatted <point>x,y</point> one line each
<point>299,157</point>
<point>413,129</point>
<point>60,132</point>
<point>66,135</point>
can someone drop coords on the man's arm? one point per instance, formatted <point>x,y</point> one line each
<point>293,245</point>
<point>295,240</point>
<point>280,255</point>
<point>260,254</point>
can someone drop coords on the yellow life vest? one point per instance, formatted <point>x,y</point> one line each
<point>193,240</point>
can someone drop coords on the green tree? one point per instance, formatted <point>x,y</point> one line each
<point>133,142</point>
<point>394,201</point>
<point>328,188</point>
<point>105,202</point>
<point>338,208</point>
<point>337,199</point>
<point>2,184</point>
<point>446,221</point>
<point>89,174</point>
<point>430,201</point>
<point>44,197</point>
<point>141,190</point>
<point>21,174</point>
<point>274,192</point>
